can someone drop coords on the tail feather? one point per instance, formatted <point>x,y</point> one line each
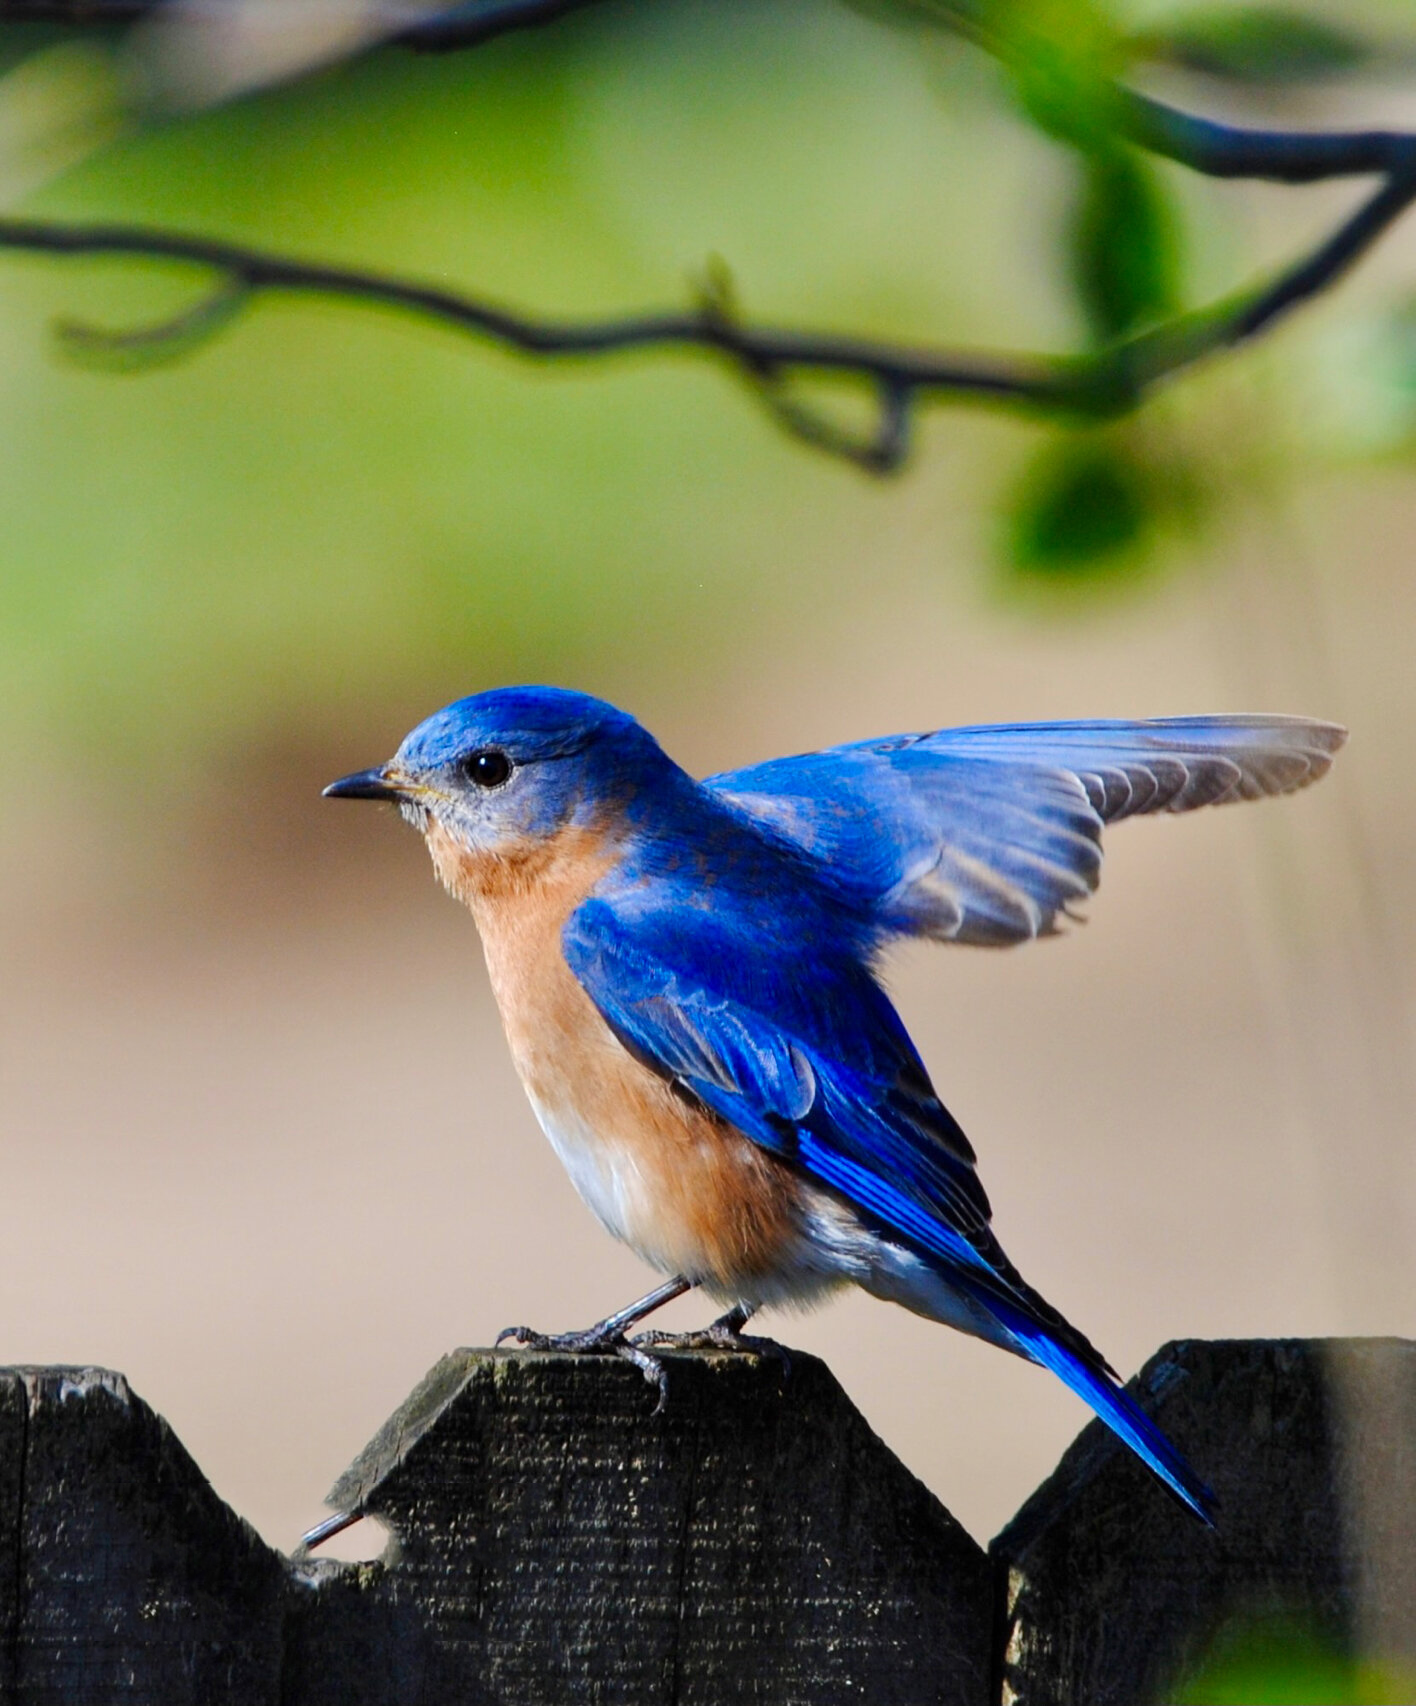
<point>1113,1404</point>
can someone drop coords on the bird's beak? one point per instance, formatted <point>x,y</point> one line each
<point>366,785</point>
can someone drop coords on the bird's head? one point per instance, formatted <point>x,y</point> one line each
<point>503,774</point>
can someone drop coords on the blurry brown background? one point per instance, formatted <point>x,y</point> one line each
<point>262,1146</point>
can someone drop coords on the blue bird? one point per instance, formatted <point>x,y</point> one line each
<point>687,974</point>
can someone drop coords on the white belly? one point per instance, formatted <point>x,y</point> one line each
<point>604,1173</point>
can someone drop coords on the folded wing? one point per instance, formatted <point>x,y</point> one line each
<point>989,835</point>
<point>819,1071</point>
<point>816,1068</point>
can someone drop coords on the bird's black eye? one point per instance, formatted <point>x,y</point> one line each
<point>488,768</point>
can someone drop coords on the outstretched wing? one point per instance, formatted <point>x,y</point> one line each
<point>988,834</point>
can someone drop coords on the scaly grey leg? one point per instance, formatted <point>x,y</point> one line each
<point>607,1337</point>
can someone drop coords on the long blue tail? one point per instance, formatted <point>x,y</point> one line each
<point>1113,1405</point>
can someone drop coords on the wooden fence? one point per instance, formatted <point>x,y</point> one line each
<point>556,1542</point>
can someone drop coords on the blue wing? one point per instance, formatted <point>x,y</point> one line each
<point>709,998</point>
<point>988,835</point>
<point>812,1062</point>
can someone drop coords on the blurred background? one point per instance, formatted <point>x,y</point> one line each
<point>263,1148</point>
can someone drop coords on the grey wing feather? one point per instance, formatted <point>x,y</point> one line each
<point>1175,765</point>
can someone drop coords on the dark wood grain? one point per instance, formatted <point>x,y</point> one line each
<point>124,1576</point>
<point>1112,1592</point>
<point>560,1542</point>
<point>553,1541</point>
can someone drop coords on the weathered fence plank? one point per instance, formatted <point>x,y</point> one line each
<point>557,1542</point>
<point>562,1543</point>
<point>124,1576</point>
<point>1111,1594</point>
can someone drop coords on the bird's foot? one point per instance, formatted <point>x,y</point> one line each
<point>605,1338</point>
<point>724,1334</point>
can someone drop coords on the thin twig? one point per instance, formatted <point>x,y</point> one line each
<point>137,348</point>
<point>1136,365</point>
<point>768,356</point>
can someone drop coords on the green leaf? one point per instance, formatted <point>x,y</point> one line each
<point>1062,61</point>
<point>1124,244</point>
<point>1257,44</point>
<point>1071,109</point>
<point>1083,505</point>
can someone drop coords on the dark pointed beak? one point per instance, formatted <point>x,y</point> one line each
<point>364,785</point>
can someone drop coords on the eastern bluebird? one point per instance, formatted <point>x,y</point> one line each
<point>687,974</point>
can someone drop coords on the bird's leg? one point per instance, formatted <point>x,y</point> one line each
<point>604,1334</point>
<point>724,1334</point>
<point>609,1336</point>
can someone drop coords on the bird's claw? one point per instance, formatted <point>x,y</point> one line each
<point>723,1335</point>
<point>651,1367</point>
<point>596,1338</point>
<point>599,1340</point>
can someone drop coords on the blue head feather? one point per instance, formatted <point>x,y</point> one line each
<point>572,758</point>
<point>527,723</point>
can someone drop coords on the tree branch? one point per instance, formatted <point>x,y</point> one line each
<point>1105,382</point>
<point>1108,382</point>
<point>1281,156</point>
<point>768,357</point>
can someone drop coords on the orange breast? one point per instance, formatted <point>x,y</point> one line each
<point>684,1189</point>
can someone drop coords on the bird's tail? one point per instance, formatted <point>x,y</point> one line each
<point>1088,1378</point>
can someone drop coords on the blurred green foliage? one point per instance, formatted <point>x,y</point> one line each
<point>1083,502</point>
<point>1285,1662</point>
<point>326,508</point>
<point>1093,507</point>
<point>1124,247</point>
<point>1258,44</point>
